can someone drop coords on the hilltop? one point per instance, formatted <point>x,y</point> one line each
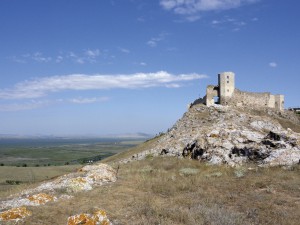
<point>227,135</point>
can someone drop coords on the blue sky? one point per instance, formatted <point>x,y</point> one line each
<point>124,66</point>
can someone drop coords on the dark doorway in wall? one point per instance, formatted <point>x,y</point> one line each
<point>216,100</point>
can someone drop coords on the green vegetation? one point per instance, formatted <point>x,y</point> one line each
<point>29,163</point>
<point>35,153</point>
<point>14,179</point>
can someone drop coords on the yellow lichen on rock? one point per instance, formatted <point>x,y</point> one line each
<point>41,198</point>
<point>84,219</point>
<point>79,184</point>
<point>101,217</point>
<point>15,214</point>
<point>98,218</point>
<point>79,180</point>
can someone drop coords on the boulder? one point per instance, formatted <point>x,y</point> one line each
<point>98,218</point>
<point>15,214</point>
<point>41,198</point>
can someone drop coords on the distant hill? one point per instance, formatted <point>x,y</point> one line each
<point>126,135</point>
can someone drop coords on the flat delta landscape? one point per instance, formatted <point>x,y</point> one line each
<point>58,152</point>
<point>27,161</point>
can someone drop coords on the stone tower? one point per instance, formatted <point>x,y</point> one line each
<point>226,87</point>
<point>279,102</point>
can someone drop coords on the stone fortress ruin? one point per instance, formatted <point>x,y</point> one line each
<point>225,93</point>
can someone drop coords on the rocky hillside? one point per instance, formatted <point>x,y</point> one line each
<point>13,209</point>
<point>233,136</point>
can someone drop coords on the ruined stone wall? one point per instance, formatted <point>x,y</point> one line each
<point>211,92</point>
<point>241,98</point>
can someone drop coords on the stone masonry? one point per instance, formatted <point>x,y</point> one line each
<point>225,93</point>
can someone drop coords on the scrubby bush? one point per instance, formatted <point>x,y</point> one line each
<point>13,182</point>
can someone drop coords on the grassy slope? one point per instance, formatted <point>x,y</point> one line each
<point>180,191</point>
<point>28,176</point>
<point>122,155</point>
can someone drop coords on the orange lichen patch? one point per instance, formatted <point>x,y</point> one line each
<point>98,218</point>
<point>84,219</point>
<point>41,198</point>
<point>101,217</point>
<point>79,180</point>
<point>14,214</point>
<point>79,184</point>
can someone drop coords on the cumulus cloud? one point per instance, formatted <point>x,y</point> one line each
<point>42,86</point>
<point>273,64</point>
<point>191,8</point>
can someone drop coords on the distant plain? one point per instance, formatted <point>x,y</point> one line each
<point>24,162</point>
<point>57,152</point>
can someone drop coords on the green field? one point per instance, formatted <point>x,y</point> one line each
<point>55,152</point>
<point>14,179</point>
<point>28,161</point>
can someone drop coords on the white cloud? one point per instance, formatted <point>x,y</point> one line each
<point>18,60</point>
<point>40,58</point>
<point>273,64</point>
<point>143,64</point>
<point>81,100</point>
<point>36,57</point>
<point>82,57</point>
<point>173,86</point>
<point>214,22</point>
<point>228,23</point>
<point>195,7</point>
<point>59,59</point>
<point>33,104</point>
<point>92,53</point>
<point>80,61</point>
<point>42,86</point>
<point>124,50</point>
<point>154,41</point>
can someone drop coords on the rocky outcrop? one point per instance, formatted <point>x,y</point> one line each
<point>98,218</point>
<point>13,208</point>
<point>228,135</point>
<point>14,214</point>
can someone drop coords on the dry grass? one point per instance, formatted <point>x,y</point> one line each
<point>288,124</point>
<point>125,154</point>
<point>176,191</point>
<point>29,175</point>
